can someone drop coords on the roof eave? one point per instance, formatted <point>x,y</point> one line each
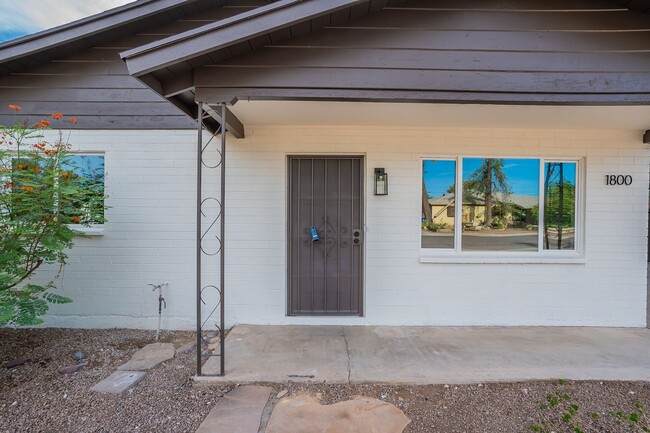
<point>85,27</point>
<point>215,36</point>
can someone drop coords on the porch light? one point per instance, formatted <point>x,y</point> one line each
<point>646,137</point>
<point>381,181</point>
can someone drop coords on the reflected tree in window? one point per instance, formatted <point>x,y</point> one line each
<point>559,205</point>
<point>86,207</point>
<point>488,180</point>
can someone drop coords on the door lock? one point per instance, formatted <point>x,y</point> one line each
<point>356,236</point>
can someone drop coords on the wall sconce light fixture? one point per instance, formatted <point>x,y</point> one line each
<point>646,137</point>
<point>381,181</point>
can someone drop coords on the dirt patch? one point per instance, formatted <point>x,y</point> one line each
<point>35,398</point>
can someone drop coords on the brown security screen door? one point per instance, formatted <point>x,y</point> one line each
<point>325,275</point>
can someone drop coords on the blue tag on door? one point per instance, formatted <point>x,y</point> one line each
<point>314,234</point>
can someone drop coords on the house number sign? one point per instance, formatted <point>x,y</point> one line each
<point>618,179</point>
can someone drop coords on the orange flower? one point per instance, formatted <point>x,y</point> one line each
<point>15,107</point>
<point>65,175</point>
<point>73,120</point>
<point>27,188</point>
<point>50,152</point>
<point>76,219</point>
<point>45,123</point>
<point>57,116</point>
<point>4,169</point>
<point>37,170</point>
<point>20,166</point>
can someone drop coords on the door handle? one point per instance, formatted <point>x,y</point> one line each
<point>314,234</point>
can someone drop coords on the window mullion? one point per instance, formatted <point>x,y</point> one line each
<point>540,210</point>
<point>458,203</point>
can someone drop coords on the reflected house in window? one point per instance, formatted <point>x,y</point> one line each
<point>519,210</point>
<point>443,210</point>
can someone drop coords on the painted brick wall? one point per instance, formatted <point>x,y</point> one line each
<point>150,234</point>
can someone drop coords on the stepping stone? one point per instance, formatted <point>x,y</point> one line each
<point>239,411</point>
<point>149,356</point>
<point>15,362</point>
<point>119,382</point>
<point>304,414</point>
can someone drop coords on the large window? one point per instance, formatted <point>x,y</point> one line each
<point>499,205</point>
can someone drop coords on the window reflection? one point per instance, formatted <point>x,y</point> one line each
<point>89,206</point>
<point>438,211</point>
<point>559,205</point>
<point>500,204</point>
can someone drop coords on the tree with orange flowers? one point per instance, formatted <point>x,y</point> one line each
<point>39,199</point>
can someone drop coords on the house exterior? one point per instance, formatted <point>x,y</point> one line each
<point>317,94</point>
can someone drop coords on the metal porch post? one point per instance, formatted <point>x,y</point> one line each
<point>204,250</point>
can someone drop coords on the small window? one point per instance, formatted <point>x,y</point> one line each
<point>511,205</point>
<point>559,205</point>
<point>88,208</point>
<point>438,215</point>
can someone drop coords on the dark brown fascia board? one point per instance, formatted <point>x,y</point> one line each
<point>214,36</point>
<point>76,30</point>
<point>635,5</point>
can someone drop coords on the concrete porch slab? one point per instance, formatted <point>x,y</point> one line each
<point>281,353</point>
<point>421,355</point>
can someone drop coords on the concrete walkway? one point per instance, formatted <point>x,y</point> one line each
<point>416,355</point>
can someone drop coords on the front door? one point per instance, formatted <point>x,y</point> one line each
<point>325,217</point>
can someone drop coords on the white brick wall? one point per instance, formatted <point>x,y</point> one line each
<point>150,234</point>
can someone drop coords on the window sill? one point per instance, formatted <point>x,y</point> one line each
<point>88,231</point>
<point>462,258</point>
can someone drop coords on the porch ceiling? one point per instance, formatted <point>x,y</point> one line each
<point>442,115</point>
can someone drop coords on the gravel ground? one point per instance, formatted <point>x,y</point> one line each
<point>35,398</point>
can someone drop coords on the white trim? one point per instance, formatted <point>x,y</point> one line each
<point>94,230</point>
<point>497,258</point>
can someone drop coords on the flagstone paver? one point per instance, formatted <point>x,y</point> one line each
<point>304,414</point>
<point>119,382</point>
<point>239,411</point>
<point>149,356</point>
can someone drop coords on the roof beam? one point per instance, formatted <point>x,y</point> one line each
<point>426,96</point>
<point>224,33</point>
<point>177,85</point>
<point>233,124</point>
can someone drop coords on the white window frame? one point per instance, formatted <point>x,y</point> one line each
<point>456,255</point>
